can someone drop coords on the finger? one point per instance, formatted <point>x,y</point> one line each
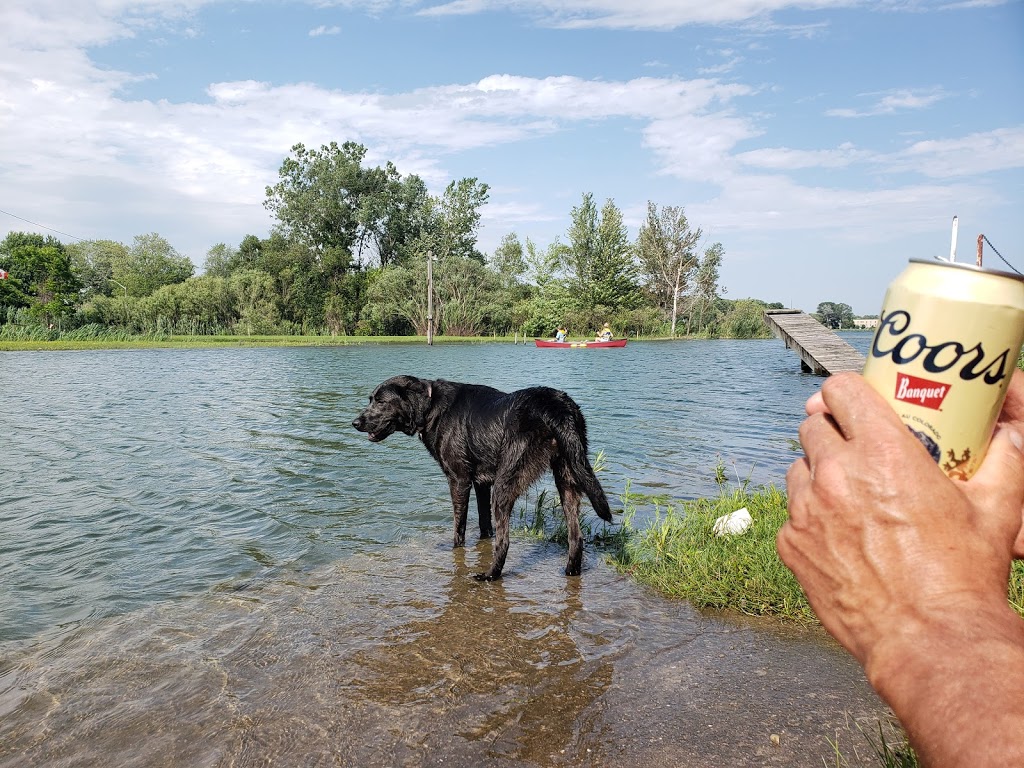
<point>798,480</point>
<point>999,486</point>
<point>820,436</point>
<point>859,411</point>
<point>1013,406</point>
<point>815,404</point>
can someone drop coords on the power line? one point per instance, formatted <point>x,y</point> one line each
<point>997,253</point>
<point>42,226</point>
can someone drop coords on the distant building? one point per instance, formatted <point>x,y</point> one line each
<point>865,322</point>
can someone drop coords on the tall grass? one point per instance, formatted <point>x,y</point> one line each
<point>679,554</point>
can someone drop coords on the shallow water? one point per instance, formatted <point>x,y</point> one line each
<point>204,564</point>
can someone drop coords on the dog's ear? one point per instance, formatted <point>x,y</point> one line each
<point>416,395</point>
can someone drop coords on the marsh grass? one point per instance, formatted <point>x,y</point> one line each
<point>887,748</point>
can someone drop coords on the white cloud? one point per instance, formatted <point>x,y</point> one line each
<point>972,155</point>
<point>639,14</point>
<point>324,30</point>
<point>782,159</point>
<point>891,102</point>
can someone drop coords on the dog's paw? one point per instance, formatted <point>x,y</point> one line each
<point>573,571</point>
<point>486,576</point>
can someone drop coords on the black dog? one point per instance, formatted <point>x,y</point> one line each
<point>499,444</point>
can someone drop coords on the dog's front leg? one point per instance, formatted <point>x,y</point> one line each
<point>483,509</point>
<point>460,508</point>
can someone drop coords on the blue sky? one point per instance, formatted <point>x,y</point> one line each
<point>822,143</point>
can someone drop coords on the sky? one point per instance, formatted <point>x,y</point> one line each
<point>823,143</point>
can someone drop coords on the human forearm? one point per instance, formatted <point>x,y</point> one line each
<point>953,680</point>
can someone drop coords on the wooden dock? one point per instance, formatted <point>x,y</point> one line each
<point>820,350</point>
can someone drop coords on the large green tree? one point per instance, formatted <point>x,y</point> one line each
<point>93,264</point>
<point>40,277</point>
<point>320,193</point>
<point>456,219</point>
<point>706,290</point>
<point>598,259</point>
<point>666,249</point>
<point>509,259</point>
<point>835,315</point>
<point>221,260</point>
<point>392,216</point>
<point>148,264</point>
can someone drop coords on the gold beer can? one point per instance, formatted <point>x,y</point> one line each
<point>946,346</point>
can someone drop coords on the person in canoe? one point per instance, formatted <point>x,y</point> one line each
<point>605,334</point>
<point>560,334</point>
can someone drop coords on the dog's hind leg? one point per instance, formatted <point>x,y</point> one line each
<point>483,508</point>
<point>569,493</point>
<point>460,508</point>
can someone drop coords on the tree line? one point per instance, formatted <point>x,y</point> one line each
<point>348,255</point>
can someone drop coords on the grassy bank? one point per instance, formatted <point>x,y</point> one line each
<point>678,553</point>
<point>161,341</point>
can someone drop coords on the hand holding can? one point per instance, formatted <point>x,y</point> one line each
<point>947,343</point>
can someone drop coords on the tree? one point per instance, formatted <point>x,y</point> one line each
<point>542,266</point>
<point>706,288</point>
<point>835,315</point>
<point>746,321</point>
<point>665,249</point>
<point>508,259</point>
<point>221,260</point>
<point>92,262</point>
<point>392,216</point>
<point>466,293</point>
<point>150,263</point>
<point>320,193</point>
<point>255,302</point>
<point>457,219</point>
<point>396,301</point>
<point>40,276</point>
<point>599,259</point>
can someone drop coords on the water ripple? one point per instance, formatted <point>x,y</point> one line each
<point>135,477</point>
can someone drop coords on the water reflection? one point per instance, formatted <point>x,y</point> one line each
<point>203,565</point>
<point>401,658</point>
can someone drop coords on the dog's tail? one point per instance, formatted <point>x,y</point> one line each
<point>571,435</point>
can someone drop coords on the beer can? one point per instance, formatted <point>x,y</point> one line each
<point>946,346</point>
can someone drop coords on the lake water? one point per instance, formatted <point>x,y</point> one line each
<point>204,564</point>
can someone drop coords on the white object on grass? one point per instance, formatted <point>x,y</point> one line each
<point>734,522</point>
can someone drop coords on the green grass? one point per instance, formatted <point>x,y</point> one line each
<point>678,553</point>
<point>119,340</point>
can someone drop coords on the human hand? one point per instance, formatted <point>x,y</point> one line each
<point>880,539</point>
<point>1011,417</point>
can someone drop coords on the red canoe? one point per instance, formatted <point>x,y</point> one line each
<point>580,344</point>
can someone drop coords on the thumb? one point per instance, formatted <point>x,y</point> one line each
<point>997,488</point>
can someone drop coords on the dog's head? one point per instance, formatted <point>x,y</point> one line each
<point>396,405</point>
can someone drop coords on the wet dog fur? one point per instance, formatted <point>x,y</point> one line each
<point>497,443</point>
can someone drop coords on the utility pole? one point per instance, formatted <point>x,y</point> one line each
<point>430,298</point>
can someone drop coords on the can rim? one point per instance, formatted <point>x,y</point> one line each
<point>970,267</point>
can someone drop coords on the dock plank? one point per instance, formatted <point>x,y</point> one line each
<point>821,351</point>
